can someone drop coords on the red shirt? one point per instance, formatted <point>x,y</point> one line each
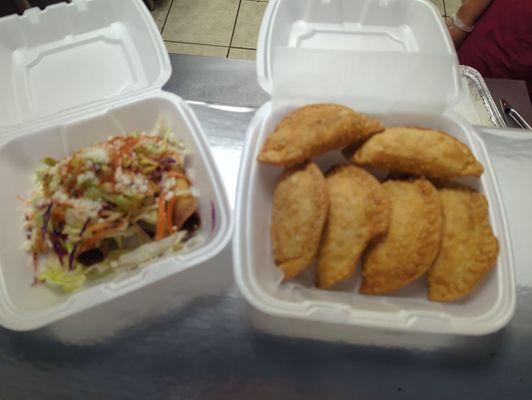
<point>500,46</point>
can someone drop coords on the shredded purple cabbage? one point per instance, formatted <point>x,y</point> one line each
<point>84,228</point>
<point>168,161</point>
<point>58,232</point>
<point>157,174</point>
<point>58,247</point>
<point>108,206</point>
<point>71,258</point>
<point>72,255</point>
<point>45,221</point>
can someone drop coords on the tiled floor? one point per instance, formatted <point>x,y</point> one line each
<point>223,28</point>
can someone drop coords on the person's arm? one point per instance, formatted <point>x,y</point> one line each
<point>466,17</point>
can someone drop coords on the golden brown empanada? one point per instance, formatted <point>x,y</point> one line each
<point>413,240</point>
<point>313,130</point>
<point>469,249</point>
<point>419,151</point>
<point>300,206</point>
<point>358,211</point>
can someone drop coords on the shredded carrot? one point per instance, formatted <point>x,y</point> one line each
<point>125,147</point>
<point>161,218</point>
<point>97,227</point>
<point>100,234</point>
<point>35,259</point>
<point>170,213</point>
<point>89,243</point>
<point>58,212</point>
<point>39,244</point>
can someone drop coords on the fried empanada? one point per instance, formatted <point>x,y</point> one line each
<point>419,151</point>
<point>313,130</point>
<point>300,207</point>
<point>469,249</point>
<point>359,210</point>
<point>413,240</point>
<point>185,206</point>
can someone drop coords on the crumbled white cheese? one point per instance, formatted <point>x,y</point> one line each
<point>130,183</point>
<point>168,184</point>
<point>121,178</point>
<point>89,206</point>
<point>61,196</point>
<point>168,196</point>
<point>79,209</point>
<point>88,176</point>
<point>82,209</point>
<point>177,193</point>
<point>96,154</point>
<point>140,184</point>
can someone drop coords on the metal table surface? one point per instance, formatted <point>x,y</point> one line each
<point>194,337</point>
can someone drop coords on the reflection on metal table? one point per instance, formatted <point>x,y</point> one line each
<point>198,339</point>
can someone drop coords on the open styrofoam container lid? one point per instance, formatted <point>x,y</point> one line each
<point>71,56</point>
<point>383,55</point>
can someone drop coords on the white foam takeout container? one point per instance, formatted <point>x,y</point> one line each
<point>72,75</point>
<point>391,59</point>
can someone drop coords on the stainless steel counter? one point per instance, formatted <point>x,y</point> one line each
<point>196,338</point>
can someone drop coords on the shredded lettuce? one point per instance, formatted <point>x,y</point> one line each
<point>124,202</point>
<point>55,274</point>
<point>54,182</point>
<point>93,193</point>
<point>41,172</point>
<point>150,217</point>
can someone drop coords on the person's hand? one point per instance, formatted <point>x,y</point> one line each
<point>457,35</point>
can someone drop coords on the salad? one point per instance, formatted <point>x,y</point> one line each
<point>116,204</point>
